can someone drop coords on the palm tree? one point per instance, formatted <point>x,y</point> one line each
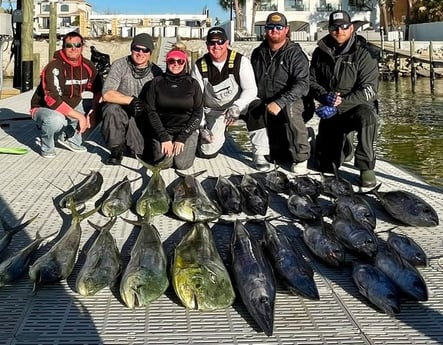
<point>237,5</point>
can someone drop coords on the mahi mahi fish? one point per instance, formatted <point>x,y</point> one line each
<point>83,191</point>
<point>155,194</point>
<point>57,264</point>
<point>377,287</point>
<point>102,264</point>
<point>290,265</point>
<point>118,200</point>
<point>190,201</point>
<point>199,276</point>
<point>145,277</point>
<point>407,207</point>
<point>254,277</point>
<point>10,231</point>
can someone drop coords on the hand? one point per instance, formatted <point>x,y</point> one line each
<point>167,148</point>
<point>273,108</point>
<point>326,112</point>
<point>83,124</point>
<point>206,134</point>
<point>231,114</point>
<point>178,148</point>
<point>331,99</point>
<point>137,107</point>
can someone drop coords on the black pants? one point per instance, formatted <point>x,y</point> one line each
<point>332,133</point>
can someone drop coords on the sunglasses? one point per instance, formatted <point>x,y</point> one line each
<point>73,45</point>
<point>341,26</point>
<point>277,27</point>
<point>179,62</point>
<point>217,42</point>
<point>140,50</point>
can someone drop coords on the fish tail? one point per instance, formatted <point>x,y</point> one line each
<point>14,229</point>
<point>198,173</point>
<point>105,227</point>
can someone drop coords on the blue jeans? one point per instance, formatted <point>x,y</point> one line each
<point>54,125</point>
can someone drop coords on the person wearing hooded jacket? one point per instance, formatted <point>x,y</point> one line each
<point>174,111</point>
<point>67,96</point>
<point>275,121</point>
<point>344,80</point>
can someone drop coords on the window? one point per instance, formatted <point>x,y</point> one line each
<point>64,8</point>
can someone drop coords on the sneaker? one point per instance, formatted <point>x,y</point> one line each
<point>69,145</point>
<point>48,154</point>
<point>300,168</point>
<point>367,178</point>
<point>261,164</point>
<point>115,157</point>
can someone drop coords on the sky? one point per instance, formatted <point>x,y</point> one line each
<point>160,7</point>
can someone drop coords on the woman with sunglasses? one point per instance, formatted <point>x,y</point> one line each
<point>344,80</point>
<point>174,111</point>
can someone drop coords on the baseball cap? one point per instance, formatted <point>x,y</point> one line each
<point>338,18</point>
<point>144,40</point>
<point>216,32</point>
<point>276,18</point>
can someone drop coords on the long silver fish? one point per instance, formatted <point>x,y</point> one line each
<point>145,277</point>
<point>403,274</point>
<point>59,261</point>
<point>254,277</point>
<point>83,191</point>
<point>407,248</point>
<point>199,277</point>
<point>290,265</point>
<point>377,287</point>
<point>103,262</point>
<point>190,201</point>
<point>155,194</point>
<point>118,200</point>
<point>407,207</point>
<point>10,231</point>
<point>228,195</point>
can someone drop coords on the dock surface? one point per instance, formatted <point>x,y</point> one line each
<point>57,314</point>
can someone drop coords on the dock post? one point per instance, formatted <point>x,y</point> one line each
<point>431,68</point>
<point>395,65</point>
<point>382,44</point>
<point>413,70</point>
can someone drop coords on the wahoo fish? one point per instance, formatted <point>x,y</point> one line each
<point>377,287</point>
<point>254,277</point>
<point>357,208</point>
<point>407,207</point>
<point>190,201</point>
<point>59,261</point>
<point>155,194</point>
<point>10,231</point>
<point>13,267</point>
<point>403,274</point>
<point>290,265</point>
<point>255,197</point>
<point>83,191</point>
<point>145,278</point>
<point>304,208</point>
<point>118,200</point>
<point>199,276</point>
<point>322,242</point>
<point>103,262</point>
<point>407,248</point>
<point>228,195</point>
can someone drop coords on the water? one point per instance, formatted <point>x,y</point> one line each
<point>411,128</point>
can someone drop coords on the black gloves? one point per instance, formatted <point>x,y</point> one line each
<point>136,107</point>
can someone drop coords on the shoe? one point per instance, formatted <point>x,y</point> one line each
<point>349,147</point>
<point>48,154</point>
<point>115,157</point>
<point>367,178</point>
<point>261,164</point>
<point>300,168</point>
<point>69,145</point>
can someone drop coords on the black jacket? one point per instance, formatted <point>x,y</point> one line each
<point>353,72</point>
<point>282,78</point>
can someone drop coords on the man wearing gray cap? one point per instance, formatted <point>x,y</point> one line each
<point>123,111</point>
<point>344,80</point>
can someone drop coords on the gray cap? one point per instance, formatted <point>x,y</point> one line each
<point>144,40</point>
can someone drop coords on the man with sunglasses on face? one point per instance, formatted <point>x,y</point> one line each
<point>344,80</point>
<point>123,112</point>
<point>275,122</point>
<point>68,94</point>
<point>227,81</point>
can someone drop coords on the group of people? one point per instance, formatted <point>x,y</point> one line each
<point>184,113</point>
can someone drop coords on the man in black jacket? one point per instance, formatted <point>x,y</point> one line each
<point>344,79</point>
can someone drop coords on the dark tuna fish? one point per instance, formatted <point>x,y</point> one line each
<point>357,208</point>
<point>323,243</point>
<point>290,265</point>
<point>304,208</point>
<point>407,207</point>
<point>305,185</point>
<point>407,248</point>
<point>277,181</point>
<point>228,195</point>
<point>254,278</point>
<point>83,191</point>
<point>255,197</point>
<point>377,287</point>
<point>403,274</point>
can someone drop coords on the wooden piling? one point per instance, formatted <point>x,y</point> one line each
<point>431,68</point>
<point>413,70</point>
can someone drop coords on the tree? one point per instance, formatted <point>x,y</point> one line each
<point>237,5</point>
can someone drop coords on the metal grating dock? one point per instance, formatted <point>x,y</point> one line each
<point>56,314</point>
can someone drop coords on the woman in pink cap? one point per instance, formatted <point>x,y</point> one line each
<point>175,109</point>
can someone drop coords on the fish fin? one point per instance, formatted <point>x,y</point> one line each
<point>133,222</point>
<point>105,227</point>
<point>179,173</point>
<point>14,229</point>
